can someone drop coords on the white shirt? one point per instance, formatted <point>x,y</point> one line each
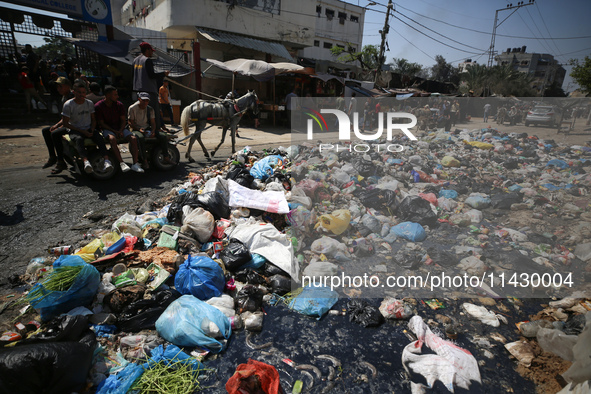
<point>79,114</point>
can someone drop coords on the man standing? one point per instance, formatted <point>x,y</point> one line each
<point>486,111</point>
<point>78,117</point>
<point>145,79</point>
<point>32,61</point>
<point>142,121</point>
<point>164,101</point>
<point>111,118</point>
<point>53,135</point>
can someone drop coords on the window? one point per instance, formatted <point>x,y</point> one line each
<point>341,46</point>
<point>354,19</point>
<point>327,45</point>
<point>329,14</point>
<point>318,10</point>
<point>342,17</point>
<point>316,43</point>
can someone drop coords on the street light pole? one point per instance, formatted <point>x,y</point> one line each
<point>491,50</point>
<point>384,33</point>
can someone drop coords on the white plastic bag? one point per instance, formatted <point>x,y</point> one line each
<point>199,221</point>
<point>224,303</point>
<point>481,313</point>
<point>270,201</point>
<point>450,364</point>
<point>391,308</point>
<point>126,224</point>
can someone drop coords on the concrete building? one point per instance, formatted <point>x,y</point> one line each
<point>542,66</point>
<point>465,65</point>
<point>337,24</point>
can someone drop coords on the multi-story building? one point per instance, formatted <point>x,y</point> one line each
<point>465,65</point>
<point>542,66</point>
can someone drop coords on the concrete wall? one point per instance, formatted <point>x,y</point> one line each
<point>294,24</point>
<point>335,31</point>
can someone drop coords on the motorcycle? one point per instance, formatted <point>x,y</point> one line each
<point>153,151</point>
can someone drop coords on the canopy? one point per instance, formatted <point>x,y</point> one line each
<point>258,69</point>
<point>327,77</point>
<point>126,50</point>
<point>273,48</point>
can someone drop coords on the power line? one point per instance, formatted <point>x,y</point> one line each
<point>442,35</point>
<point>546,26</point>
<point>488,33</point>
<point>434,39</point>
<point>547,46</point>
<point>425,53</point>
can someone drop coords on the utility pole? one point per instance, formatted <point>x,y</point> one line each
<point>384,32</point>
<point>491,50</point>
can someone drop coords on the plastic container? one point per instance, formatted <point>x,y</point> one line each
<point>61,250</point>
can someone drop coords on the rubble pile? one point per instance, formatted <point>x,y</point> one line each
<point>287,244</point>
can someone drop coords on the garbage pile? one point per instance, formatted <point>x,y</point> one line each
<point>264,243</point>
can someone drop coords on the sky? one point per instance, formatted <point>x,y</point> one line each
<point>542,27</point>
<point>462,29</point>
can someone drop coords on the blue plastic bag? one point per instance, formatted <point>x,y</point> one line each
<point>478,202</point>
<point>256,262</point>
<point>448,194</point>
<point>410,231</point>
<point>122,382</point>
<point>263,168</point>
<point>558,163</point>
<point>188,320</point>
<point>80,293</point>
<point>314,301</point>
<point>201,277</point>
<point>116,247</point>
<point>172,354</point>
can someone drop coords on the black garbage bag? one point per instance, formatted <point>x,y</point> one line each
<point>235,255</point>
<point>279,284</point>
<point>62,328</point>
<point>505,200</point>
<point>249,299</point>
<point>362,313</point>
<point>269,269</point>
<point>142,314</point>
<point>380,199</point>
<point>418,210</point>
<point>215,203</point>
<point>409,259</point>
<point>365,168</point>
<point>175,211</point>
<point>240,175</point>
<point>511,163</point>
<point>48,367</point>
<point>443,258</point>
<point>250,276</point>
<point>574,324</point>
<point>284,179</point>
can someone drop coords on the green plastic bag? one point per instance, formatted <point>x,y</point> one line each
<point>169,237</point>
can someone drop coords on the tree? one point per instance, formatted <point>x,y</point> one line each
<point>581,73</point>
<point>54,48</point>
<point>406,69</point>
<point>368,57</point>
<point>443,71</point>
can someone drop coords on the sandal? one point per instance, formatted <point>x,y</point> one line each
<point>59,168</point>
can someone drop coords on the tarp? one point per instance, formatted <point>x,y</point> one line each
<point>273,48</point>
<point>327,77</point>
<point>258,69</point>
<point>126,50</point>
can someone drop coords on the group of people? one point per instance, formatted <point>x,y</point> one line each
<point>107,119</point>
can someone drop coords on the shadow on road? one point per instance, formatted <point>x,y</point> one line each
<point>16,217</point>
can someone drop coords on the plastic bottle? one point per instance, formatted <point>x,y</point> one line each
<point>530,329</point>
<point>61,250</point>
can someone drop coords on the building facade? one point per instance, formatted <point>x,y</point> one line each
<point>541,66</point>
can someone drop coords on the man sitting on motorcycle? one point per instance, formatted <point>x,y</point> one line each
<point>142,121</point>
<point>78,117</point>
<point>111,118</point>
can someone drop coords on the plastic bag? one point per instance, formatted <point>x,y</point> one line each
<point>264,168</point>
<point>92,251</point>
<point>191,322</point>
<point>481,313</point>
<point>450,161</point>
<point>381,199</point>
<point>142,314</point>
<point>314,301</point>
<point>450,364</point>
<point>391,308</point>
<point>80,293</point>
<point>51,367</point>
<point>256,262</point>
<point>451,194</point>
<point>122,382</point>
<point>224,303</point>
<point>120,298</point>
<point>363,313</point>
<point>418,210</point>
<point>235,255</point>
<point>126,224</point>
<point>410,231</point>
<point>478,202</point>
<point>198,221</point>
<point>336,222</point>
<point>240,175</point>
<point>249,299</point>
<point>215,203</point>
<point>254,376</point>
<point>253,321</point>
<point>200,276</point>
<point>279,284</point>
<point>270,201</point>
<point>505,200</point>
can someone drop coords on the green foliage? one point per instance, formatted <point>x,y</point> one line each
<point>443,71</point>
<point>498,80</point>
<point>581,73</point>
<point>406,69</point>
<point>54,48</point>
<point>368,57</point>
